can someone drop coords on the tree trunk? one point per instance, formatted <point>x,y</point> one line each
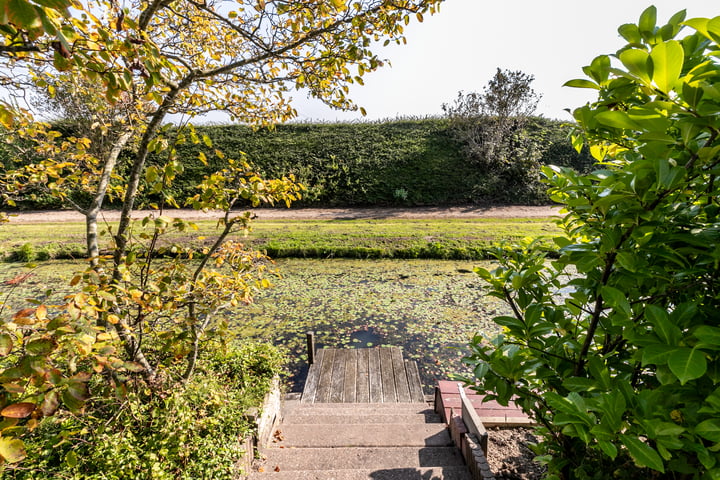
<point>91,213</point>
<point>91,237</point>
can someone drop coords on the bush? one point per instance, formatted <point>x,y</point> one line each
<point>25,253</point>
<point>394,163</point>
<point>185,431</point>
<point>614,348</point>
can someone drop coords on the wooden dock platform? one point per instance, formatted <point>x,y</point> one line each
<point>362,375</point>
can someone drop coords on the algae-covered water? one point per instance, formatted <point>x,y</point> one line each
<point>430,308</point>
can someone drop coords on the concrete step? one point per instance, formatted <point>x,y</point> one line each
<point>356,405</point>
<point>436,473</point>
<point>377,458</point>
<point>293,407</point>
<point>360,435</point>
<point>301,417</point>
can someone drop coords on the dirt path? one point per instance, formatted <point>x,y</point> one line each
<point>313,213</point>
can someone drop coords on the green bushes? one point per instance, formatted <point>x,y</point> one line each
<point>396,163</point>
<point>184,431</point>
<point>411,162</point>
<point>393,163</point>
<point>614,348</point>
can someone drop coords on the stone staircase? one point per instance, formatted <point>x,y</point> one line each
<point>359,441</point>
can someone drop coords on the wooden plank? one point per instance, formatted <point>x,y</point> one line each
<point>414,383</point>
<point>338,376</point>
<point>322,395</point>
<point>350,375</point>
<point>387,375</point>
<point>401,380</point>
<point>362,387</point>
<point>374,376</point>
<point>311,383</point>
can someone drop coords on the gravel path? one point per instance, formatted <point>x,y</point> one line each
<point>312,213</point>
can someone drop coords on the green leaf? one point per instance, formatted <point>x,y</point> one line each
<point>579,384</point>
<point>75,395</point>
<point>599,69</point>
<point>643,454</point>
<point>40,346</point>
<point>708,335</point>
<point>663,327</point>
<point>687,364</point>
<point>22,14</point>
<point>6,344</point>
<point>608,448</point>
<point>668,59</point>
<point>600,372</point>
<point>630,32</point>
<point>71,459</point>
<point>133,367</point>
<point>638,63</point>
<point>648,20</point>
<point>667,429</point>
<point>713,28</point>
<point>655,355</point>
<point>12,450</point>
<point>581,83</point>
<point>616,299</point>
<point>692,95</point>
<point>700,24</point>
<point>709,430</point>
<point>617,119</point>
<point>677,19</point>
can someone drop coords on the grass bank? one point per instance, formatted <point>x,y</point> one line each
<point>447,239</point>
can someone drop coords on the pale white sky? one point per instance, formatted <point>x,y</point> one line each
<point>461,47</point>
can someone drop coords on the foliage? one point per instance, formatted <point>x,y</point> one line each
<point>161,58</point>
<point>156,316</point>
<point>346,164</point>
<point>614,348</point>
<point>355,164</point>
<point>189,431</point>
<point>491,128</point>
<point>46,361</point>
<point>361,164</point>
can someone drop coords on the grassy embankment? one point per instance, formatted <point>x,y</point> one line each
<point>460,239</point>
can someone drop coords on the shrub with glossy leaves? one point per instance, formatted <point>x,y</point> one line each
<point>614,348</point>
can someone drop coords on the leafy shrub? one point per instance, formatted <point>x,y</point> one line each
<point>183,431</point>
<point>25,253</point>
<point>614,348</point>
<point>364,164</point>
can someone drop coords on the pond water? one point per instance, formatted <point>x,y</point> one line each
<point>430,308</point>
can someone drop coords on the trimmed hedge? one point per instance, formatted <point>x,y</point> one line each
<point>411,162</point>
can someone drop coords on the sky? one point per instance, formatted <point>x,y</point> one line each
<point>461,47</point>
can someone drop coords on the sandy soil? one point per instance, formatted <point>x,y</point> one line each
<point>509,457</point>
<point>312,213</point>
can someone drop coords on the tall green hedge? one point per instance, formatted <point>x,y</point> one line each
<point>350,164</point>
<point>393,163</point>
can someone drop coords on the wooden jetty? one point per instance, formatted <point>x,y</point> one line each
<point>362,375</point>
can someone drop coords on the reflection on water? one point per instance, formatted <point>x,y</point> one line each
<point>366,337</point>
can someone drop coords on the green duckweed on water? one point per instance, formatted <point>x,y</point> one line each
<point>430,308</point>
